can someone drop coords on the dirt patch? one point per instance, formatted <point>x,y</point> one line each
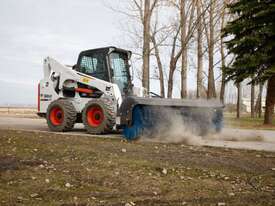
<point>12,163</point>
<point>8,163</point>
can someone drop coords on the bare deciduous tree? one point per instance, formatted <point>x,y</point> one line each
<point>174,57</point>
<point>141,11</point>
<point>199,50</point>
<point>200,16</point>
<point>186,30</point>
<point>211,93</point>
<point>160,66</point>
<point>146,20</point>
<point>183,25</point>
<point>222,56</point>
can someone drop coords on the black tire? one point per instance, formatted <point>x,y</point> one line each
<point>61,115</point>
<point>98,116</point>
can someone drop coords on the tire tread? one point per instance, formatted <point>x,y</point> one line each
<point>70,115</point>
<point>109,115</point>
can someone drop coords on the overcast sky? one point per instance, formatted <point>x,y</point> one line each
<point>33,29</point>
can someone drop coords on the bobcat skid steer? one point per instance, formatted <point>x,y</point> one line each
<point>98,92</point>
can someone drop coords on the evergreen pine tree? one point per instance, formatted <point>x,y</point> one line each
<point>252,41</point>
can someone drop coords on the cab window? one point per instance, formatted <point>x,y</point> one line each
<point>119,65</point>
<point>94,65</point>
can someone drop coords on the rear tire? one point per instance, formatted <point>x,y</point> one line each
<point>61,115</point>
<point>98,116</point>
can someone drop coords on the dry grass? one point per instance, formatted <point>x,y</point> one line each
<point>246,122</point>
<point>50,169</point>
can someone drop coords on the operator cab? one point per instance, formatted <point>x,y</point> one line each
<point>109,64</point>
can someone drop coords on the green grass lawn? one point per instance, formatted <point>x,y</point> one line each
<point>246,121</point>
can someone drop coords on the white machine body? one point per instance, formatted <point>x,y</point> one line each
<point>56,74</point>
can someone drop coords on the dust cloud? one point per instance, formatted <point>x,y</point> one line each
<point>236,135</point>
<point>174,128</point>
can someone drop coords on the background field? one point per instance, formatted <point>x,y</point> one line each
<point>19,111</point>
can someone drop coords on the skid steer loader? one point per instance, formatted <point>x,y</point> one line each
<point>99,93</point>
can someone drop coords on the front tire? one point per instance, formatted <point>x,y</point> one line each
<point>98,116</point>
<point>61,115</point>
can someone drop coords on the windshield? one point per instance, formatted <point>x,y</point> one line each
<point>119,65</point>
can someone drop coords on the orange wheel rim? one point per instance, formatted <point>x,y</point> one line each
<point>95,116</point>
<point>56,116</point>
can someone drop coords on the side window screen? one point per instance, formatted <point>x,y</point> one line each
<point>88,64</point>
<point>94,65</point>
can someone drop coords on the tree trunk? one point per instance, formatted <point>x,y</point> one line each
<point>258,106</point>
<point>222,58</point>
<point>184,52</point>
<point>239,100</point>
<point>223,73</point>
<point>252,100</point>
<point>184,74</point>
<point>170,78</point>
<point>173,63</point>
<point>200,53</point>
<point>270,100</point>
<point>146,46</point>
<point>160,67</point>
<point>222,92</point>
<point>260,101</point>
<point>211,80</point>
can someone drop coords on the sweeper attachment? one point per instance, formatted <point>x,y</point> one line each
<point>151,117</point>
<point>99,93</point>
